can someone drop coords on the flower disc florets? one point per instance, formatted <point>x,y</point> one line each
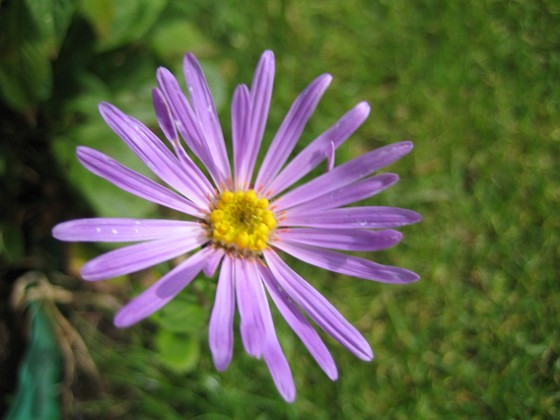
<point>241,221</point>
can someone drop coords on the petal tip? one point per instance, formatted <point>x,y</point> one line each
<point>332,373</point>
<point>103,105</point>
<point>222,363</point>
<point>367,354</point>
<point>407,145</point>
<point>396,236</point>
<point>58,231</point>
<point>326,78</point>
<point>414,217</point>
<point>121,320</point>
<point>106,109</point>
<point>88,274</point>
<point>363,107</point>
<point>288,393</point>
<point>407,276</point>
<point>92,271</point>
<point>163,74</point>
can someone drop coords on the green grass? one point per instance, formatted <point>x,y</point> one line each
<point>475,86</point>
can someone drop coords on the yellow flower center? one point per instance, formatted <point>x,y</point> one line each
<point>241,220</point>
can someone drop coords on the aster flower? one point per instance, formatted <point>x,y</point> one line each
<point>237,219</point>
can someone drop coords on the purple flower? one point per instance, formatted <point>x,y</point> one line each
<point>238,221</point>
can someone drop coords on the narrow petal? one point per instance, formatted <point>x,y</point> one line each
<point>251,326</point>
<point>139,256</point>
<point>203,105</point>
<point>314,153</point>
<point>200,183</point>
<point>151,150</point>
<point>213,262</point>
<point>348,264</point>
<point>349,194</point>
<point>240,121</point>
<point>261,93</point>
<point>280,370</point>
<point>133,182</point>
<point>317,307</point>
<point>220,334</point>
<point>150,300</point>
<point>364,217</point>
<point>330,156</point>
<point>186,121</point>
<point>343,239</point>
<point>183,114</point>
<point>344,175</point>
<point>123,230</point>
<point>272,352</point>
<point>163,115</point>
<point>290,130</point>
<point>299,324</point>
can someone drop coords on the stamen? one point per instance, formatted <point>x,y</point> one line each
<point>242,221</point>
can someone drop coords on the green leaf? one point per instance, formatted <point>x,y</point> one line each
<point>95,90</point>
<point>39,374</point>
<point>100,14</point>
<point>51,19</point>
<point>178,352</point>
<point>106,199</point>
<point>33,31</point>
<point>25,76</point>
<point>11,243</point>
<point>121,22</point>
<point>182,316</point>
<point>130,88</point>
<point>172,39</point>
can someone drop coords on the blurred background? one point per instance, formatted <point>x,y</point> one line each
<point>473,84</point>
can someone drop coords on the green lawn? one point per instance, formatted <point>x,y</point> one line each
<point>473,84</point>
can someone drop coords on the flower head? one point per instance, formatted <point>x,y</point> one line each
<point>237,220</point>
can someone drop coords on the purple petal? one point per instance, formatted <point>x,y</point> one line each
<point>150,300</point>
<point>330,156</point>
<point>139,256</point>
<point>280,370</point>
<point>151,150</point>
<point>252,329</point>
<point>317,307</point>
<point>348,264</point>
<point>290,130</point>
<point>186,121</point>
<point>299,324</point>
<point>314,154</point>
<point>269,345</point>
<point>240,121</point>
<point>365,217</point>
<point>163,115</point>
<point>220,334</point>
<point>344,175</point>
<point>133,182</point>
<point>348,194</point>
<point>205,110</point>
<point>343,239</point>
<point>123,230</point>
<point>165,120</point>
<point>257,329</point>
<point>183,114</point>
<point>213,262</point>
<point>261,93</point>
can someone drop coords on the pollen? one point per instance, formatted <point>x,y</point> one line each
<point>241,221</point>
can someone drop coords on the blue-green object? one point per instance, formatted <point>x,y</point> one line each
<point>37,394</point>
